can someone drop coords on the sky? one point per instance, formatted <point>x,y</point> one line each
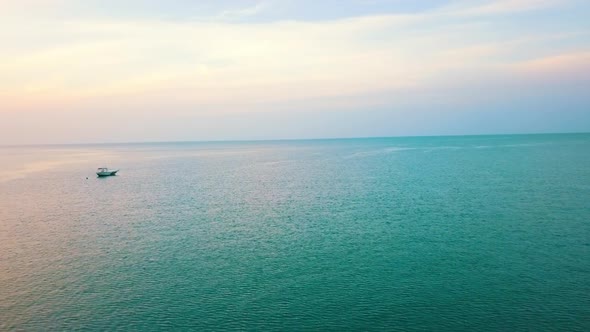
<point>181,70</point>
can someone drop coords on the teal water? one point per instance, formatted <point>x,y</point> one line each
<point>481,233</point>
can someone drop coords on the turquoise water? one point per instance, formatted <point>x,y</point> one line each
<point>434,233</point>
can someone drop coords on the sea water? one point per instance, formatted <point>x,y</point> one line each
<point>466,233</point>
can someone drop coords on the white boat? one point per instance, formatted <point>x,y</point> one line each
<point>104,171</point>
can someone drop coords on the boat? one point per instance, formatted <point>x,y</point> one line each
<point>104,171</point>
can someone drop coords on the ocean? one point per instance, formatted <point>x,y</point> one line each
<point>466,233</point>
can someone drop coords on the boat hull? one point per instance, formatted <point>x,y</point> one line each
<point>109,173</point>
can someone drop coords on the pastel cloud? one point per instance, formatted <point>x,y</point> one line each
<point>511,6</point>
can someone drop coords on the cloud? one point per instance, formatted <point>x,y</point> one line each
<point>509,6</point>
<point>306,59</point>
<point>557,62</point>
<point>567,67</point>
<point>237,14</point>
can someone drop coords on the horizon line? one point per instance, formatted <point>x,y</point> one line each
<point>285,139</point>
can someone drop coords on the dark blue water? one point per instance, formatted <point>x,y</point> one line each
<point>435,233</point>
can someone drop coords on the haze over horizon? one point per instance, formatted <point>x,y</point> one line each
<point>132,71</point>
